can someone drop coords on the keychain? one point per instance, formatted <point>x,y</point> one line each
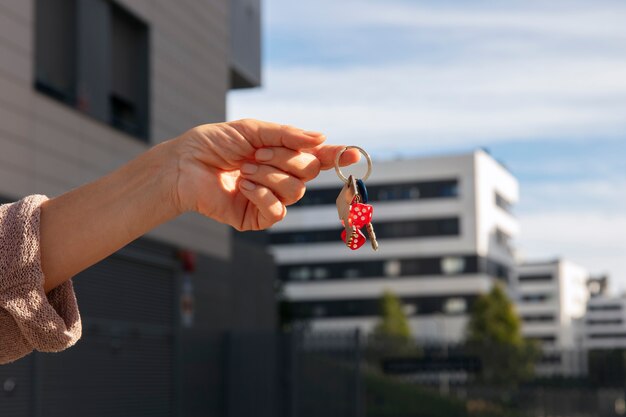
<point>352,207</point>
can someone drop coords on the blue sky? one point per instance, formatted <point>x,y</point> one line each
<point>542,85</point>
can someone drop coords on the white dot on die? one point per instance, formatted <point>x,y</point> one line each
<point>362,217</point>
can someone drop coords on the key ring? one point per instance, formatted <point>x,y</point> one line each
<point>365,154</point>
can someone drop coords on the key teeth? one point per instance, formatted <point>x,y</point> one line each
<point>372,236</point>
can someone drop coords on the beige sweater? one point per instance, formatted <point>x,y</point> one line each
<point>30,319</point>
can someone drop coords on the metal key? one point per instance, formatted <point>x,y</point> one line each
<point>370,233</point>
<point>348,194</point>
<point>352,206</point>
<point>362,190</point>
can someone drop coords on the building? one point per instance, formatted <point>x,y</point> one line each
<point>86,86</point>
<point>444,225</point>
<point>605,323</point>
<point>550,297</point>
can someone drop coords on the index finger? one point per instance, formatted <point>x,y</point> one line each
<point>326,155</point>
<point>266,134</point>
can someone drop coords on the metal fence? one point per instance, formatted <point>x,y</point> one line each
<point>300,374</point>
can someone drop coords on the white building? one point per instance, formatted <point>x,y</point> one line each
<point>443,224</point>
<point>550,296</point>
<point>605,323</point>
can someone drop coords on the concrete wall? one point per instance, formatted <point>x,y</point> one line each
<point>47,147</point>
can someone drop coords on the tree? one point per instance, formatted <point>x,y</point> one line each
<point>494,320</point>
<point>494,335</point>
<point>393,324</point>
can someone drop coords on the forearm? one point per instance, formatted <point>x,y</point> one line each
<point>91,222</point>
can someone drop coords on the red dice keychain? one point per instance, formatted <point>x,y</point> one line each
<point>354,212</point>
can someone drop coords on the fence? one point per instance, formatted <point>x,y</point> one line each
<point>304,375</point>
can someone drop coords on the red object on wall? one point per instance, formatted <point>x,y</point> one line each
<point>188,260</point>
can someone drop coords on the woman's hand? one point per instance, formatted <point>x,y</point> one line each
<point>244,173</point>
<point>240,173</point>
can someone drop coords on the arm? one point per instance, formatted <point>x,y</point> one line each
<point>241,173</point>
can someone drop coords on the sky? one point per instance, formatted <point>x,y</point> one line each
<point>541,85</point>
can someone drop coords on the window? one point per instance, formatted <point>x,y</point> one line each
<point>56,49</point>
<point>423,228</point>
<point>409,309</point>
<point>393,268</point>
<point>320,273</point>
<point>536,298</point>
<point>452,265</point>
<point>93,56</point>
<point>299,274</point>
<point>455,306</point>
<point>503,240</point>
<point>352,273</point>
<point>544,339</point>
<point>319,311</point>
<point>420,190</point>
<point>535,277</point>
<point>594,322</point>
<point>536,318</point>
<point>129,89</point>
<point>607,336</point>
<point>503,203</point>
<point>414,267</point>
<point>605,307</point>
<point>370,307</point>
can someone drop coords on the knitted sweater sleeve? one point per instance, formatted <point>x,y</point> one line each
<point>30,319</point>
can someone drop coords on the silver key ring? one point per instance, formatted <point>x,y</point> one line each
<point>365,154</point>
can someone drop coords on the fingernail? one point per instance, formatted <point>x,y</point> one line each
<point>249,168</point>
<point>314,134</point>
<point>264,154</point>
<point>248,185</point>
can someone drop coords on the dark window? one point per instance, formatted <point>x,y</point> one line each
<point>533,278</point>
<point>93,55</point>
<point>604,307</point>
<point>550,358</point>
<point>538,318</point>
<point>371,307</point>
<point>503,203</point>
<point>495,269</point>
<point>603,321</point>
<point>469,264</point>
<point>384,230</point>
<point>536,298</point>
<point>504,240</point>
<point>607,335</point>
<point>56,49</point>
<point>548,339</point>
<point>388,192</point>
<point>129,68</point>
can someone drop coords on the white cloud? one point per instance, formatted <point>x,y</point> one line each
<point>462,73</point>
<point>592,240</point>
<point>600,197</point>
<point>417,105</point>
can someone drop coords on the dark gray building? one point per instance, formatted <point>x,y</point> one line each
<point>85,86</point>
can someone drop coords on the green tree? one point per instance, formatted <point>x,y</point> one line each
<point>393,323</point>
<point>494,335</point>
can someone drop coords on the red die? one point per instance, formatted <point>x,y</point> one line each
<point>360,214</point>
<point>358,239</point>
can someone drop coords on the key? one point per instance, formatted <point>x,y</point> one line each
<point>369,227</point>
<point>350,235</point>
<point>370,233</point>
<point>352,206</point>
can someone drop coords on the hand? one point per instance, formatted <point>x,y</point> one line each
<point>244,173</point>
